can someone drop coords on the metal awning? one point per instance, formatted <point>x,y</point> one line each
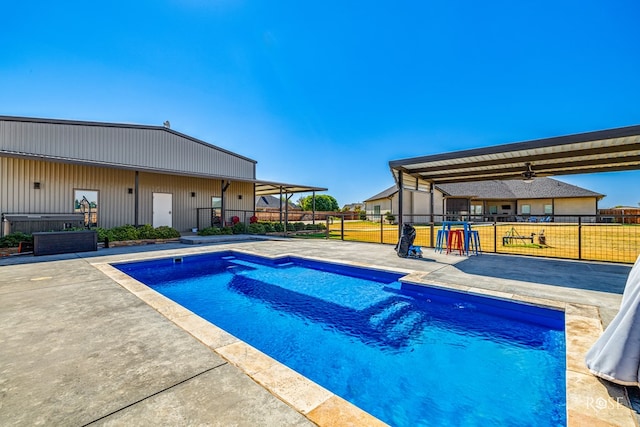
<point>609,150</point>
<point>264,188</point>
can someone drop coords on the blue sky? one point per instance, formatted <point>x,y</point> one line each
<point>327,93</point>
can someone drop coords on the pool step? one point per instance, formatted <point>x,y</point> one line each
<point>397,319</point>
<point>247,264</point>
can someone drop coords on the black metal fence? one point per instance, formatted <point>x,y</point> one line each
<point>583,237</point>
<point>611,238</point>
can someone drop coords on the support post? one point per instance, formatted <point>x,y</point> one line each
<point>223,186</point>
<point>431,190</point>
<point>400,202</point>
<point>281,205</point>
<point>313,208</point>
<point>580,237</point>
<point>136,202</point>
<point>286,211</point>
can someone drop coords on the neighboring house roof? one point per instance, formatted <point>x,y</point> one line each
<point>271,202</point>
<point>353,206</point>
<point>389,192</point>
<point>540,188</point>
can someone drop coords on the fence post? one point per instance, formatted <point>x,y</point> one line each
<point>381,230</point>
<point>495,237</point>
<point>341,227</point>
<point>326,220</point>
<point>579,237</point>
<point>431,243</point>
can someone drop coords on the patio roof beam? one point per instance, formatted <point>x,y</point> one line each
<point>630,150</point>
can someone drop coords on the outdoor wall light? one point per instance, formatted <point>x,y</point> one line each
<point>193,194</point>
<point>239,196</point>
<point>130,190</point>
<point>36,185</point>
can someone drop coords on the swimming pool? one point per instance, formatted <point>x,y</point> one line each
<point>408,354</point>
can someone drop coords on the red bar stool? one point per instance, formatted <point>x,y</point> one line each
<point>456,241</point>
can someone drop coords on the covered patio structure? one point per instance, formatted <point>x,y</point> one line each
<point>610,150</point>
<point>285,192</point>
<point>260,188</point>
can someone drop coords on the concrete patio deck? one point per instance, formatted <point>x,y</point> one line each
<point>80,345</point>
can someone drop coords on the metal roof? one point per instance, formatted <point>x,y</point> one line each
<point>265,188</point>
<point>609,150</point>
<point>130,146</point>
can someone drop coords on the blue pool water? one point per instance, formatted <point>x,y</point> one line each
<point>410,355</point>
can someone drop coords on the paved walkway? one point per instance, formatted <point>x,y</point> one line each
<point>76,348</point>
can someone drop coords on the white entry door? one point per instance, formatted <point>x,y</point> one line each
<point>162,207</point>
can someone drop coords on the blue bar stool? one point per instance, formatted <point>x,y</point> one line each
<point>441,240</point>
<point>474,242</point>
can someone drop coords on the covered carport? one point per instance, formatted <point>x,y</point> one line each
<point>610,150</point>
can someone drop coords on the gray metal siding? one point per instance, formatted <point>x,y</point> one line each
<point>57,184</point>
<point>126,147</point>
<point>184,206</point>
<point>115,205</point>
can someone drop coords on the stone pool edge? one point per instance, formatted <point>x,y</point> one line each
<point>590,400</point>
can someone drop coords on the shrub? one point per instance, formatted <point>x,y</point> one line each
<point>390,217</point>
<point>239,228</point>
<point>363,215</point>
<point>291,226</point>
<point>124,232</point>
<point>146,232</point>
<point>278,227</point>
<point>209,231</point>
<point>13,240</point>
<point>129,232</point>
<point>256,228</point>
<point>268,227</point>
<point>164,232</point>
<point>215,231</point>
<point>316,227</point>
<point>253,219</point>
<point>298,226</point>
<point>235,220</point>
<point>102,234</point>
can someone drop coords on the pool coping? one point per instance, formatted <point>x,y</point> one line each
<point>589,400</point>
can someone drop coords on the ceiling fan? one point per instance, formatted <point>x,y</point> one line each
<point>529,174</point>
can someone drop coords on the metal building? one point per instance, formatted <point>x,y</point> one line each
<point>116,174</point>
